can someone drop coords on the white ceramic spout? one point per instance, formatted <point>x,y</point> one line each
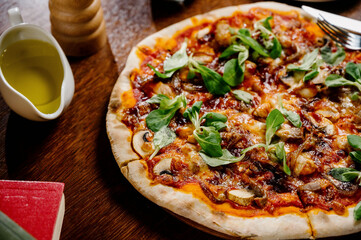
<point>17,101</point>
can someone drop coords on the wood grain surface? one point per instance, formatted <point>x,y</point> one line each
<point>74,149</point>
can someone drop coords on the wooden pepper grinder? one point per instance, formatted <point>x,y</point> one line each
<point>78,26</point>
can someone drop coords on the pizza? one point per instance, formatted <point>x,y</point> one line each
<point>244,122</point>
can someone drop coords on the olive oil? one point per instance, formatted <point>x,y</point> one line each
<point>34,69</point>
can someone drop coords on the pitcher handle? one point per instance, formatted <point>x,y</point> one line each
<point>15,16</point>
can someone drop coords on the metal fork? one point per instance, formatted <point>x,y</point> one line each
<point>344,37</point>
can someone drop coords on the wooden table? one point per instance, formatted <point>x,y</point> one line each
<point>74,149</point>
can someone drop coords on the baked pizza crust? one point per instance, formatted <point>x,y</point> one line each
<point>192,210</point>
<point>287,226</point>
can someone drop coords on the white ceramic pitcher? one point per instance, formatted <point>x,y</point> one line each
<point>17,101</point>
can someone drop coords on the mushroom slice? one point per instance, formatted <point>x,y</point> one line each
<point>241,196</point>
<point>288,132</point>
<point>163,166</point>
<point>141,144</point>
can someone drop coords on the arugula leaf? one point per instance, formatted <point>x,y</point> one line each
<point>156,99</point>
<point>354,141</point>
<point>265,22</point>
<point>224,159</point>
<point>178,60</point>
<point>162,138</point>
<point>353,70</point>
<point>356,156</point>
<point>334,80</point>
<point>293,117</point>
<point>242,57</point>
<point>308,60</point>
<point>273,122</point>
<point>242,96</point>
<point>310,75</point>
<point>213,81</point>
<point>245,36</point>
<point>215,120</point>
<point>210,140</point>
<point>357,212</point>
<point>159,74</point>
<point>276,48</point>
<point>192,113</point>
<point>281,155</point>
<point>161,117</point>
<point>233,74</point>
<point>344,174</point>
<point>333,58</point>
<point>233,49</point>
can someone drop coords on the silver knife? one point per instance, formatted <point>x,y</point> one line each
<point>337,20</point>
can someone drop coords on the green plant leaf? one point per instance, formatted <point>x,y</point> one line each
<point>159,74</point>
<point>161,117</point>
<point>178,60</point>
<point>233,49</point>
<point>356,156</point>
<point>245,36</point>
<point>213,81</point>
<point>333,58</point>
<point>357,212</point>
<point>265,22</point>
<point>224,159</point>
<point>242,56</point>
<point>156,99</point>
<point>210,140</point>
<point>310,75</point>
<point>216,120</point>
<point>344,174</point>
<point>242,96</point>
<point>353,70</point>
<point>161,139</point>
<point>273,122</point>
<point>308,60</point>
<point>192,113</point>
<point>281,155</point>
<point>276,48</point>
<point>293,117</point>
<point>334,80</point>
<point>233,75</point>
<point>354,141</point>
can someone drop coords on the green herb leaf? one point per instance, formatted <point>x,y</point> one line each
<point>281,155</point>
<point>156,99</point>
<point>265,22</point>
<point>242,57</point>
<point>161,117</point>
<point>273,123</point>
<point>293,117</point>
<point>357,212</point>
<point>161,75</point>
<point>354,70</point>
<point>215,120</point>
<point>335,80</point>
<point>333,58</point>
<point>344,174</point>
<point>233,49</point>
<point>233,74</point>
<point>276,48</point>
<point>224,159</point>
<point>210,140</point>
<point>242,96</point>
<point>178,60</point>
<point>245,36</point>
<point>310,75</point>
<point>356,156</point>
<point>162,138</point>
<point>308,60</point>
<point>354,141</point>
<point>213,81</point>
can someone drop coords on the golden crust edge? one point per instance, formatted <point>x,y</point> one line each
<point>288,226</point>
